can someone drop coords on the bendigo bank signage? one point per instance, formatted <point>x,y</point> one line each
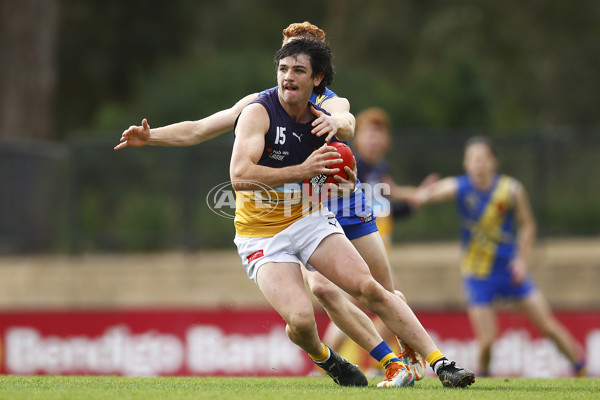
<point>246,343</point>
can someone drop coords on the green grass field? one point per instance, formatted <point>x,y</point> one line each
<point>91,388</point>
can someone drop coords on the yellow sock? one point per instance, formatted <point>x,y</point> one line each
<point>388,359</point>
<point>434,356</point>
<point>323,356</point>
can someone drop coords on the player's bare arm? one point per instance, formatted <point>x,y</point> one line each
<point>443,190</point>
<point>186,133</point>
<point>248,147</point>
<point>408,193</point>
<point>339,124</point>
<point>527,228</point>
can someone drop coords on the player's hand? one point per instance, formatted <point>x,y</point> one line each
<point>342,187</point>
<point>318,161</point>
<point>518,269</point>
<point>416,199</point>
<point>347,186</point>
<point>430,180</point>
<point>324,124</point>
<point>135,136</point>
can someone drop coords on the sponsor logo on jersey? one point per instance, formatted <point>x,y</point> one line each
<point>278,155</point>
<point>367,218</point>
<point>254,256</point>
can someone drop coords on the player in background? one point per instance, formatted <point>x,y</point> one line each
<point>360,230</point>
<point>371,142</point>
<point>497,230</point>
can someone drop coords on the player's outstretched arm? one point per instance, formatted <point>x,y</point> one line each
<point>339,124</point>
<point>440,191</point>
<point>407,194</point>
<point>186,133</point>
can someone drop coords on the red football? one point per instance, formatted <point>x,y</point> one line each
<point>316,183</point>
<point>346,155</point>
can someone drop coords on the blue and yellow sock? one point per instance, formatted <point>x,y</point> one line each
<point>579,368</point>
<point>384,355</point>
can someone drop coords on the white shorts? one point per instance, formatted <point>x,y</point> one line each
<point>294,244</point>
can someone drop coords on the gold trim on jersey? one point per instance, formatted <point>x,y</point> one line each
<point>486,233</point>
<point>320,98</point>
<point>385,225</point>
<point>262,213</point>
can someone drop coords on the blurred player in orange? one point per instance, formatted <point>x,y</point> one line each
<point>497,233</point>
<point>372,141</point>
<point>360,230</point>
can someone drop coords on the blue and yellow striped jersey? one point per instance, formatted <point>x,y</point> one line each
<point>318,100</point>
<point>314,98</point>
<point>487,230</point>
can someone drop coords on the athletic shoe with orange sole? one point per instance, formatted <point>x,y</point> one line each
<point>414,360</point>
<point>397,374</point>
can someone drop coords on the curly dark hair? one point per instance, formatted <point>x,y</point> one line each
<point>320,58</point>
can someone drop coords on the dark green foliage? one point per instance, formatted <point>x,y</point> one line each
<point>524,72</point>
<point>475,64</point>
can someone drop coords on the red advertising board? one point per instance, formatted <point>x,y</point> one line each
<point>245,343</point>
<point>519,349</point>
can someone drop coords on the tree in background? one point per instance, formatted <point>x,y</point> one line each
<point>28,65</point>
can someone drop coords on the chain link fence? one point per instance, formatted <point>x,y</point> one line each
<point>81,196</point>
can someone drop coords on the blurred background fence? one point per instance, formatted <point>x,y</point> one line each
<point>81,196</point>
<point>74,74</point>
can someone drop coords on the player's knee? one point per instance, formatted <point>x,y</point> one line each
<point>370,293</point>
<point>486,341</point>
<point>486,344</point>
<point>400,294</point>
<point>324,291</point>
<point>301,323</point>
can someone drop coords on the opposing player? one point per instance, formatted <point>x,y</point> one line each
<point>497,233</point>
<point>361,229</point>
<point>371,142</point>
